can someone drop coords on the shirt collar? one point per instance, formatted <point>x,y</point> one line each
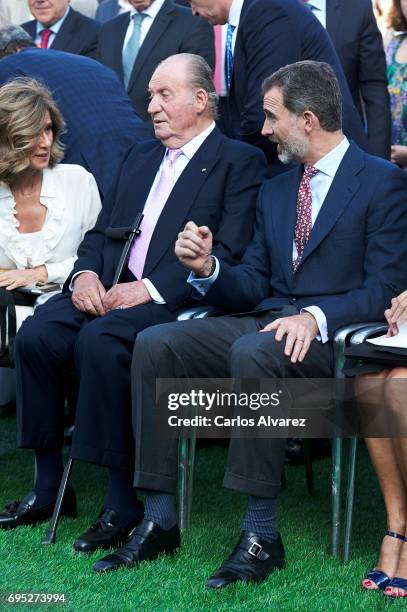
<point>55,27</point>
<point>151,11</point>
<point>319,5</point>
<point>329,164</point>
<point>234,13</point>
<point>190,148</point>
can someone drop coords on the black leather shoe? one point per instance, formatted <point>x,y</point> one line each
<point>252,560</point>
<point>22,513</point>
<point>147,541</point>
<point>106,532</point>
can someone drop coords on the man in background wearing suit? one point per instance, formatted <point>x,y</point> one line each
<point>134,43</point>
<point>60,27</point>
<point>359,45</point>
<point>191,171</point>
<point>101,123</point>
<point>339,200</point>
<point>264,35</point>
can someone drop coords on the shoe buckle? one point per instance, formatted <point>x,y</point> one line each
<point>255,550</point>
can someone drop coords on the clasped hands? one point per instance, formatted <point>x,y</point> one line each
<point>396,315</point>
<point>89,295</point>
<point>194,250</point>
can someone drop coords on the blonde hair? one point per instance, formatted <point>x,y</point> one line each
<point>24,103</point>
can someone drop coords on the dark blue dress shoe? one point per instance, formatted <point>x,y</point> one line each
<point>25,513</point>
<point>106,532</point>
<point>147,541</point>
<point>252,560</point>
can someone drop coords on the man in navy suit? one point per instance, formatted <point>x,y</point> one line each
<point>192,171</point>
<point>328,250</point>
<point>353,29</point>
<point>101,123</point>
<point>162,29</point>
<point>60,27</point>
<point>265,35</point>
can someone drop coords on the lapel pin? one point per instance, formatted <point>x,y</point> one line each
<point>203,170</point>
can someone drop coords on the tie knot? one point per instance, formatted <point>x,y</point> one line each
<point>138,18</point>
<point>173,155</point>
<point>231,29</point>
<point>309,172</point>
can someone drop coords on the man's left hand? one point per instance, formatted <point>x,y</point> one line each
<point>126,295</point>
<point>300,330</point>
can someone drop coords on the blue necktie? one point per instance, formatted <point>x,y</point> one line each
<point>132,48</point>
<point>229,54</point>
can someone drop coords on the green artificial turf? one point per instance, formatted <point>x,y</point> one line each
<point>313,580</point>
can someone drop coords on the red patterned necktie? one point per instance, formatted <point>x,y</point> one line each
<point>303,225</point>
<point>45,36</point>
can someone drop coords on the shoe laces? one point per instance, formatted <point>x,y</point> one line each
<point>102,525</point>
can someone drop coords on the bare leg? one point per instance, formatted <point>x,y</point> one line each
<point>391,481</point>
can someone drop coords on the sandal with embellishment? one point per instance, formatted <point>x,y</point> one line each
<point>379,578</point>
<point>396,583</point>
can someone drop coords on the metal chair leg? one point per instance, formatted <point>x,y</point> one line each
<point>51,533</point>
<point>185,479</point>
<point>350,496</point>
<point>309,474</point>
<point>336,494</point>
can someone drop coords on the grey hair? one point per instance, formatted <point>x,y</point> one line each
<point>200,76</point>
<point>13,38</point>
<point>309,86</point>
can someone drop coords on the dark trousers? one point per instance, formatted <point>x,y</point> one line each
<point>60,338</point>
<point>219,348</point>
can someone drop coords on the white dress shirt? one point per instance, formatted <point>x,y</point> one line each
<point>151,13</point>
<point>319,10</point>
<point>319,184</point>
<point>54,28</point>
<point>188,151</point>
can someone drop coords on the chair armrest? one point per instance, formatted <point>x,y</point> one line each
<point>363,334</point>
<point>198,312</point>
<point>340,339</point>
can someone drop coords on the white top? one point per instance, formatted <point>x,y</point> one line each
<point>72,200</point>
<point>151,13</point>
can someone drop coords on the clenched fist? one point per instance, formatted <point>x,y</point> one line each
<point>194,249</point>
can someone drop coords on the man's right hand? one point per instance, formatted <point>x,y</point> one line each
<point>194,247</point>
<point>88,293</point>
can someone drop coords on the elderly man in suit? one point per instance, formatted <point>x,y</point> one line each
<point>58,26</point>
<point>339,200</point>
<point>101,122</point>
<point>262,36</point>
<point>359,45</point>
<point>191,171</point>
<point>134,43</point>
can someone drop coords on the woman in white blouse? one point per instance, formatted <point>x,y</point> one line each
<point>45,207</point>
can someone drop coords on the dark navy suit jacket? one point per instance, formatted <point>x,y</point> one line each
<point>101,123</point>
<point>359,44</point>
<point>78,34</point>
<point>271,34</point>
<point>355,260</point>
<point>174,30</point>
<point>218,188</point>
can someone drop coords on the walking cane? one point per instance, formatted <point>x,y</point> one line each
<point>114,233</point>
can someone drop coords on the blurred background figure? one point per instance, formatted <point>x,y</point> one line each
<point>359,45</point>
<point>108,9</point>
<point>45,207</point>
<point>58,26</point>
<point>100,121</point>
<point>397,75</point>
<point>381,9</point>
<point>16,12</point>
<point>133,44</point>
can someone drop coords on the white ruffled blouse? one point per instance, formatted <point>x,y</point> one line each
<point>72,200</point>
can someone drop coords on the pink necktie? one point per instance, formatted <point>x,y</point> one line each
<point>303,225</point>
<point>152,212</point>
<point>45,36</point>
<point>219,60</point>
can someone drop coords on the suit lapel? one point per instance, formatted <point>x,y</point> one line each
<point>118,36</point>
<point>66,32</point>
<point>284,211</point>
<point>188,187</point>
<point>154,34</point>
<point>342,190</point>
<point>333,16</point>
